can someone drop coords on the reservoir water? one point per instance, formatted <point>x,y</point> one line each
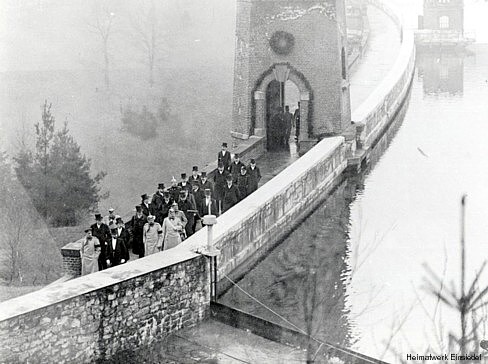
<point>353,272</point>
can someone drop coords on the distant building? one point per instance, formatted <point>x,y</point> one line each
<point>442,24</point>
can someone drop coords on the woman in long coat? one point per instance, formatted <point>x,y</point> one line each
<point>90,250</point>
<point>172,229</point>
<point>152,236</point>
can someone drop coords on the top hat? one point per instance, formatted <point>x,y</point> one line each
<point>98,216</point>
<point>224,145</point>
<point>236,156</point>
<point>253,161</point>
<point>161,186</point>
<point>183,176</point>
<point>144,196</point>
<point>195,168</point>
<point>204,174</point>
<point>139,208</point>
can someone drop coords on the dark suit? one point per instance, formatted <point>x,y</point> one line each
<point>102,233</point>
<point>225,159</point>
<point>146,210</point>
<point>192,180</point>
<point>137,229</point>
<point>254,178</point>
<point>231,197</point>
<point>235,170</point>
<point>207,185</point>
<point>124,235</point>
<point>243,185</point>
<point>116,255</point>
<point>156,207</point>
<point>220,183</point>
<point>202,207</point>
<point>174,192</point>
<point>185,205</point>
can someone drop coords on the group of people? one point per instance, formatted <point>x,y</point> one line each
<point>280,126</point>
<point>171,215</point>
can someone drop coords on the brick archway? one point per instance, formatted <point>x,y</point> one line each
<point>259,99</point>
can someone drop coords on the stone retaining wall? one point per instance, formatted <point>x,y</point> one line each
<point>93,317</point>
<point>374,114</point>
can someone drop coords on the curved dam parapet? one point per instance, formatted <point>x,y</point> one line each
<point>94,316</point>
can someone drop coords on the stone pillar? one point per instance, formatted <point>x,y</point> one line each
<point>305,143</point>
<point>260,122</point>
<point>72,259</point>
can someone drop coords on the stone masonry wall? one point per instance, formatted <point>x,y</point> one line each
<point>97,324</point>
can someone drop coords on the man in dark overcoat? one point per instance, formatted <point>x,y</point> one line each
<point>117,251</point>
<point>137,230</point>
<point>224,157</point>
<point>231,194</point>
<point>188,207</point>
<point>102,233</point>
<point>205,184</point>
<point>220,178</point>
<point>235,168</point>
<point>157,204</point>
<point>254,176</point>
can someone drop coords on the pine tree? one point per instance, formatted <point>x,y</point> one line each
<point>57,175</point>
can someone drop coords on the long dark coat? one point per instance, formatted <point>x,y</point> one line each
<point>156,206</point>
<point>124,235</point>
<point>243,185</point>
<point>220,183</point>
<point>231,197</point>
<point>207,185</point>
<point>225,159</point>
<point>235,170</point>
<point>174,192</point>
<point>102,233</point>
<point>203,208</point>
<point>116,255</point>
<point>137,229</point>
<point>254,178</point>
<point>146,210</point>
<point>185,205</point>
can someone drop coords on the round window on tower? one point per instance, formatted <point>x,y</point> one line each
<point>282,42</point>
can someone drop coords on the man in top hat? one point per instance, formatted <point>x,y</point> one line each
<point>137,229</point>
<point>235,168</point>
<point>102,233</point>
<point>189,210</point>
<point>146,208</point>
<point>157,203</point>
<point>110,218</point>
<point>205,183</point>
<point>186,186</point>
<point>195,177</point>
<point>224,157</point>
<point>220,180</point>
<point>174,190</point>
<point>123,234</point>
<point>231,194</point>
<point>90,252</point>
<point>254,176</point>
<point>117,251</point>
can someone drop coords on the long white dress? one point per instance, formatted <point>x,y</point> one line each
<point>152,238</point>
<point>89,255</point>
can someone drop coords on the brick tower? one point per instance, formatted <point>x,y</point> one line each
<point>303,41</point>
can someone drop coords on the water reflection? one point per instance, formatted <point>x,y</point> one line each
<point>306,278</point>
<point>442,71</point>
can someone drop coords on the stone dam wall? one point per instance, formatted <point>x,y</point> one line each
<point>94,316</point>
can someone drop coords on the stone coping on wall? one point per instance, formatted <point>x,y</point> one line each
<point>233,218</point>
<point>376,98</point>
<point>62,291</point>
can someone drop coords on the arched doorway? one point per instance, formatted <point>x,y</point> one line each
<point>279,87</point>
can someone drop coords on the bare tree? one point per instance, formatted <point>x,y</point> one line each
<point>148,34</point>
<point>102,24</point>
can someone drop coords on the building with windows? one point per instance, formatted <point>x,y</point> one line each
<point>442,23</point>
